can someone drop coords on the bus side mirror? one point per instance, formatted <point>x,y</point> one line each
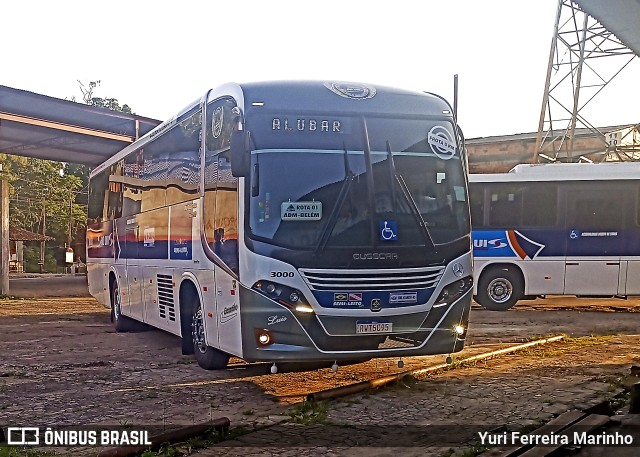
<point>239,154</point>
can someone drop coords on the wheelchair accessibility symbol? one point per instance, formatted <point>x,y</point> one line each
<point>388,230</point>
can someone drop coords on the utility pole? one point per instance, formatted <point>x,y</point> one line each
<point>42,243</point>
<point>4,236</point>
<point>70,217</point>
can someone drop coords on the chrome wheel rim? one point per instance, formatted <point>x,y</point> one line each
<point>500,290</point>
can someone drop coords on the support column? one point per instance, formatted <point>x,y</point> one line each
<point>4,237</point>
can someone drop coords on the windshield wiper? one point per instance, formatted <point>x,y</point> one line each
<point>333,217</point>
<point>426,234</point>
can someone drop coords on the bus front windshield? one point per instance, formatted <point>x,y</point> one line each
<point>392,182</point>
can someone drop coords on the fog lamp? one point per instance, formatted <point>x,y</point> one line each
<point>263,337</point>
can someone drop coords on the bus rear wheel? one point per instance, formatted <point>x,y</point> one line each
<point>499,289</point>
<point>207,357</point>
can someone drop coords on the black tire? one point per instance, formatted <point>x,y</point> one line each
<point>499,288</point>
<point>120,323</point>
<point>207,357</point>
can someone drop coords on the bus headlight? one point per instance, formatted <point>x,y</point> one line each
<point>454,291</point>
<point>286,296</point>
<point>459,329</point>
<point>302,308</point>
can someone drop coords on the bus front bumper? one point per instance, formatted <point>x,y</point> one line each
<point>271,332</point>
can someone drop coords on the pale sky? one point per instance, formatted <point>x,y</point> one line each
<point>159,56</point>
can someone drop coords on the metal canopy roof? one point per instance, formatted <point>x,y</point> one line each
<point>49,128</point>
<point>620,17</point>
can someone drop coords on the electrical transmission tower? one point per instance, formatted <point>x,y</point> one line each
<point>585,57</point>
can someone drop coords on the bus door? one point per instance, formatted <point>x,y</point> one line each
<point>225,246</point>
<point>134,273</point>
<point>593,229</point>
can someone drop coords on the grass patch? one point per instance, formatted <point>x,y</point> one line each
<point>9,297</point>
<point>586,341</point>
<point>13,451</point>
<point>164,451</point>
<point>473,451</point>
<point>209,438</point>
<point>539,351</point>
<point>309,413</point>
<point>566,344</point>
<point>470,452</point>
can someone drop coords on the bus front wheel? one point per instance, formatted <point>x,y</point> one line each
<point>499,289</point>
<point>207,357</point>
<point>120,322</point>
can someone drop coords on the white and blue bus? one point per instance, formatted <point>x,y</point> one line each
<point>290,221</point>
<point>556,229</point>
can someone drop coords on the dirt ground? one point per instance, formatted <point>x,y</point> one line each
<point>62,364</point>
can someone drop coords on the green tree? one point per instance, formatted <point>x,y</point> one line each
<point>109,102</point>
<point>41,194</point>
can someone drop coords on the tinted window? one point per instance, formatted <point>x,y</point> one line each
<point>540,205</point>
<point>519,205</point>
<point>183,144</point>
<point>105,194</point>
<point>589,209</point>
<point>505,206</point>
<point>97,210</point>
<point>476,200</point>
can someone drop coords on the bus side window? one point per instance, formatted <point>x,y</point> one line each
<point>505,206</point>
<point>593,210</point>
<point>540,205</point>
<point>476,199</point>
<point>114,200</point>
<point>638,206</point>
<point>182,146</point>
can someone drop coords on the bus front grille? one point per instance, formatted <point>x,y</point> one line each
<point>372,279</point>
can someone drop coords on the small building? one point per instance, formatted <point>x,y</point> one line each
<point>17,237</point>
<point>499,154</point>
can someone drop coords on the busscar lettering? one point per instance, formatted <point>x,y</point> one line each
<point>375,256</point>
<point>306,125</point>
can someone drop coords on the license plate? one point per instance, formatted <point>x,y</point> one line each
<point>374,327</point>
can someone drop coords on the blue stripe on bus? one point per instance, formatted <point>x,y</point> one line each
<point>530,244</point>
